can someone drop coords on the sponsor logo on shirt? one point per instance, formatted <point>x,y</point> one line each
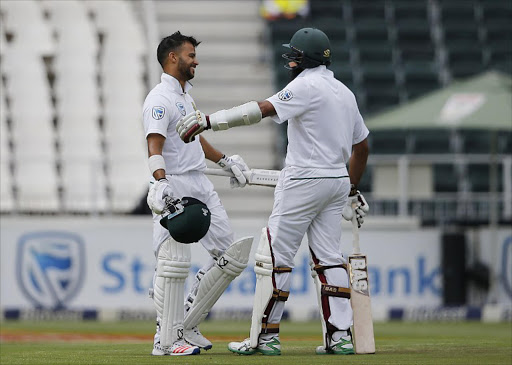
<point>285,95</point>
<point>181,108</point>
<point>158,112</point>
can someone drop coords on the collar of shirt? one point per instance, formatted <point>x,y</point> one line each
<point>172,83</point>
<point>322,69</point>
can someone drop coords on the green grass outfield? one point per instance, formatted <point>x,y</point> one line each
<point>128,343</point>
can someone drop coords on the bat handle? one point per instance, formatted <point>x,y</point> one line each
<point>355,232</point>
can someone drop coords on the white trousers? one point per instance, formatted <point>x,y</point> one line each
<point>307,204</point>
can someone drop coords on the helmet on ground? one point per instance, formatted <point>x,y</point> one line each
<point>188,219</point>
<point>310,47</point>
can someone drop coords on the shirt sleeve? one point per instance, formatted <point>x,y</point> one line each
<point>292,101</point>
<point>157,115</point>
<point>360,129</point>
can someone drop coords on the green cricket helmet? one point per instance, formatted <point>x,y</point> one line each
<point>188,219</point>
<point>310,47</point>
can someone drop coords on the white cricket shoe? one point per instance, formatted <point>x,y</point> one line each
<point>178,348</point>
<point>270,347</point>
<point>194,337</point>
<point>342,346</point>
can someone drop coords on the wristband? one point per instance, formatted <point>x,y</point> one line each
<point>353,190</point>
<point>156,162</point>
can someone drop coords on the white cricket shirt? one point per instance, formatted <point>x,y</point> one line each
<point>323,120</point>
<point>164,106</point>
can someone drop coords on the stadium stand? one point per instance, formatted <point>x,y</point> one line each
<point>53,46</point>
<point>86,143</point>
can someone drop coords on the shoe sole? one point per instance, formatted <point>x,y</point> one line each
<point>242,352</point>
<point>160,353</point>
<point>269,353</point>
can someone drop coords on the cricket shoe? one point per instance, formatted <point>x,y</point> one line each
<point>343,346</point>
<point>271,347</point>
<point>194,337</point>
<point>178,348</point>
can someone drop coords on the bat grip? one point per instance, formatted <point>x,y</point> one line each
<point>355,232</point>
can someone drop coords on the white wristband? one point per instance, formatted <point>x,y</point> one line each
<point>156,162</point>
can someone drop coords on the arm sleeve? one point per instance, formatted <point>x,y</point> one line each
<point>157,115</point>
<point>360,129</point>
<point>292,101</point>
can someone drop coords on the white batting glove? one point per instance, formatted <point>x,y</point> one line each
<point>356,203</point>
<point>156,195</point>
<point>236,165</point>
<point>191,125</point>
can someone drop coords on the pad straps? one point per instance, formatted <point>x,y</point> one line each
<point>277,296</point>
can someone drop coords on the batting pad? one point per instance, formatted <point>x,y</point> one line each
<point>173,263</point>
<point>216,280</point>
<point>264,287</point>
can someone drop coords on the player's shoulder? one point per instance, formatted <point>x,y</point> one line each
<point>160,95</point>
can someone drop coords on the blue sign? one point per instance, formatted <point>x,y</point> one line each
<point>50,267</point>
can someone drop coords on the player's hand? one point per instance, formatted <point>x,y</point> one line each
<point>156,195</point>
<point>236,165</point>
<point>191,125</point>
<point>356,205</point>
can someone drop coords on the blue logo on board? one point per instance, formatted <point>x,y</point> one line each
<point>50,267</point>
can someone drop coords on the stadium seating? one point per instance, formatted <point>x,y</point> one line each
<point>54,46</point>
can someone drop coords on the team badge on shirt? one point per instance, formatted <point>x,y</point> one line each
<point>181,108</point>
<point>285,95</point>
<point>158,112</point>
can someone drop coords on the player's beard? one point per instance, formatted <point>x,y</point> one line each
<point>184,69</point>
<point>294,72</point>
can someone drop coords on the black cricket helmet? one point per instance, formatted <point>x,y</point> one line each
<point>310,47</point>
<point>188,219</point>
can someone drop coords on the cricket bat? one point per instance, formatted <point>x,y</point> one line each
<point>360,296</point>
<point>254,176</point>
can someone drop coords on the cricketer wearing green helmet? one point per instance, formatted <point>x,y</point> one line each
<point>187,220</point>
<point>310,47</point>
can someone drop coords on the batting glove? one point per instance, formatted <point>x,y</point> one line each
<point>156,195</point>
<point>356,204</point>
<point>191,125</point>
<point>236,165</point>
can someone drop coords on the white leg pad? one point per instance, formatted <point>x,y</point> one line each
<point>318,287</point>
<point>216,280</point>
<point>264,288</point>
<point>173,264</point>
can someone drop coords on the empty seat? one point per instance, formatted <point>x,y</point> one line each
<point>322,8</point>
<point>36,185</point>
<point>372,30</point>
<point>83,185</point>
<point>479,177</point>
<point>6,191</point>
<point>128,182</point>
<point>460,36</point>
<point>388,142</point>
<point>431,141</point>
<point>465,62</point>
<point>25,20</point>
<point>445,178</point>
<point>477,141</point>
<point>413,34</point>
<point>368,10</point>
<point>376,101</point>
<point>453,12</point>
<point>504,144</point>
<point>420,77</point>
